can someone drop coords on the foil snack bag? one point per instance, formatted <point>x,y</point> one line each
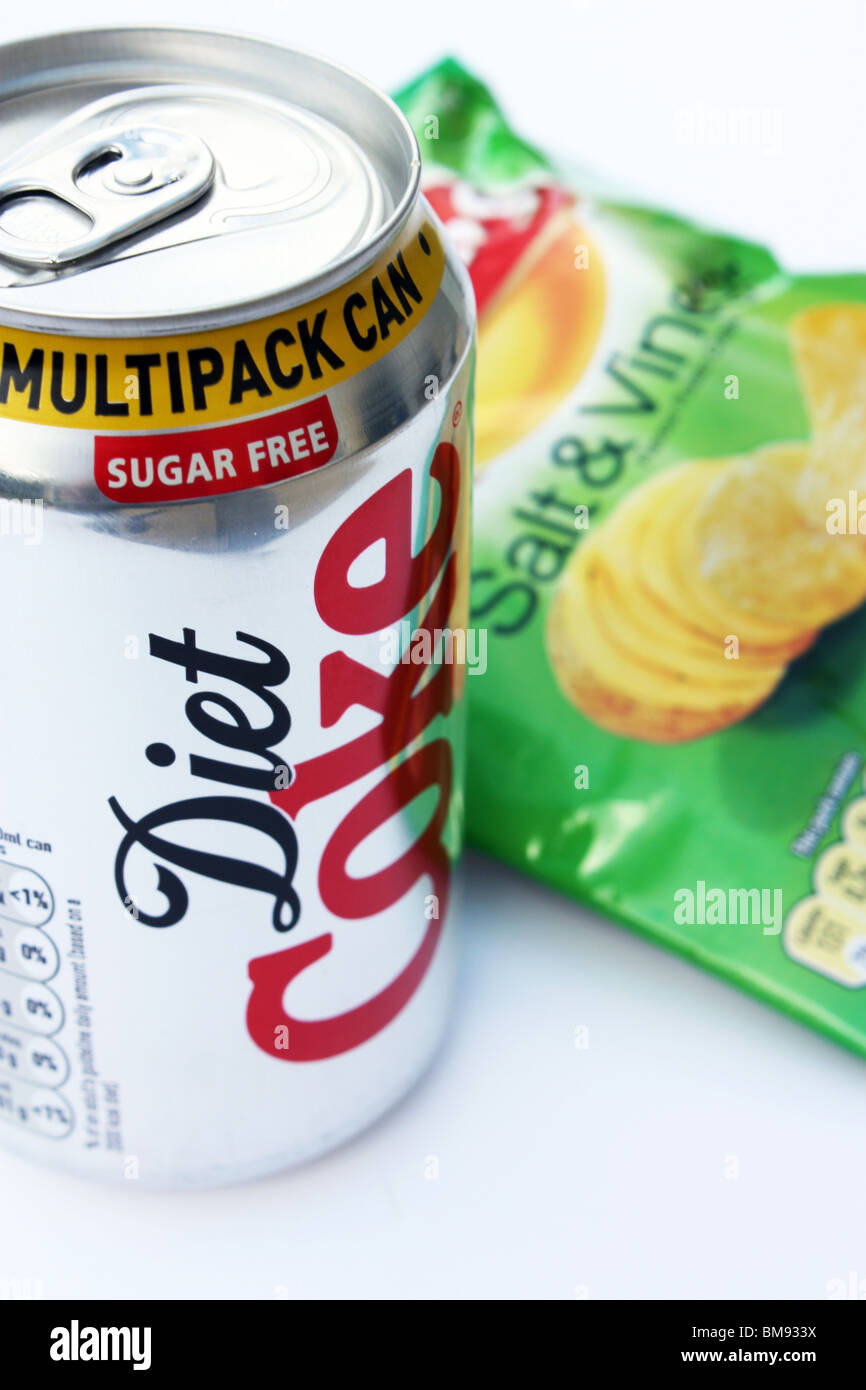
<point>668,698</point>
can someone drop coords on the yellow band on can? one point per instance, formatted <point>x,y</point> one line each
<point>148,383</point>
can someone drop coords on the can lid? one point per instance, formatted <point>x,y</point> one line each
<point>153,179</point>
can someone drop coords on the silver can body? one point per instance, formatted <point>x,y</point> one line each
<point>234,535</point>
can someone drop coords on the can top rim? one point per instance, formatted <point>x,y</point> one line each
<point>25,64</point>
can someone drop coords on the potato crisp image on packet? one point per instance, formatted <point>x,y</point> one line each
<point>669,576</point>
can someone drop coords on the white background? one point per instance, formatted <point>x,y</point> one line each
<point>562,1172</point>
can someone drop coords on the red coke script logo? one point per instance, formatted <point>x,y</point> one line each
<point>406,704</point>
<point>222,458</point>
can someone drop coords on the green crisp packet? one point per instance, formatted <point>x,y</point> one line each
<point>668,709</point>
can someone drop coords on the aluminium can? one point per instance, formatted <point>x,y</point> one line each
<point>235,456</point>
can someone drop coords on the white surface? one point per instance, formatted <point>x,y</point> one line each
<point>560,1169</point>
<point>563,1172</point>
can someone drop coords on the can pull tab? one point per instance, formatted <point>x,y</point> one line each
<point>88,194</point>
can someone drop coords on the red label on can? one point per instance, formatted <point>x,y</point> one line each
<point>217,459</point>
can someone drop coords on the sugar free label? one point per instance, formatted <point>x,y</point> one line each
<point>219,459</point>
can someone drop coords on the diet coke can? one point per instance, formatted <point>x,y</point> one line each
<point>235,456</point>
